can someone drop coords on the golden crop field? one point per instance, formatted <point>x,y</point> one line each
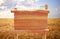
<point>54,28</point>
<point>6,25</point>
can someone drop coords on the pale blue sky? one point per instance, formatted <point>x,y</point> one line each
<point>54,7</point>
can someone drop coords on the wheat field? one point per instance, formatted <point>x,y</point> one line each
<point>6,25</point>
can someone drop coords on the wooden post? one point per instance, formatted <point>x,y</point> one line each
<point>45,33</point>
<point>44,36</point>
<point>15,35</point>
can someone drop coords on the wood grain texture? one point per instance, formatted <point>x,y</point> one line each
<point>30,20</point>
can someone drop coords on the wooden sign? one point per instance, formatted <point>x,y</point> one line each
<point>30,20</point>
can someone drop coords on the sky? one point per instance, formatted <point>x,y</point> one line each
<point>7,5</point>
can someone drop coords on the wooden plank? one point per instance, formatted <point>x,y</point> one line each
<point>31,13</point>
<point>29,24</point>
<point>30,17</point>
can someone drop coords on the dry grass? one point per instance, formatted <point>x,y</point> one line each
<point>53,24</point>
<point>6,24</point>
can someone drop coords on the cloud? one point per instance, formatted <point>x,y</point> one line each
<point>32,1</point>
<point>26,4</point>
<point>2,1</point>
<point>13,3</point>
<point>3,7</point>
<point>22,7</point>
<point>57,9</point>
<point>6,14</point>
<point>55,13</point>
